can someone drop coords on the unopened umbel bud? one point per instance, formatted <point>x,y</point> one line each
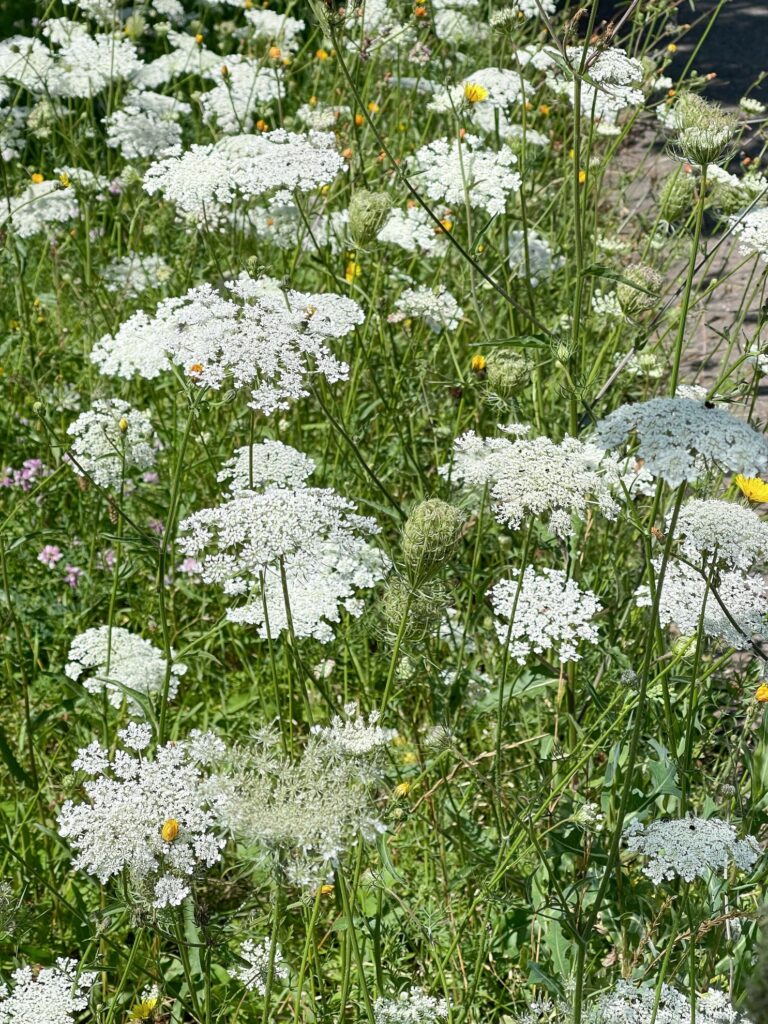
<point>412,613</point>
<point>677,196</point>
<point>430,535</point>
<point>367,213</point>
<point>507,372</point>
<point>703,129</point>
<point>639,291</point>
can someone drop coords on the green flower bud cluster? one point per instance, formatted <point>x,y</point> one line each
<point>367,213</point>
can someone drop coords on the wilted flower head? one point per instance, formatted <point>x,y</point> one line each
<point>149,817</point>
<point>537,477</point>
<point>678,438</point>
<point>109,440</point>
<point>260,336</point>
<point>54,995</point>
<point>690,848</point>
<point>547,612</point>
<point>114,660</point>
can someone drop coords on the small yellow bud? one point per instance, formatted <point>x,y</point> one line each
<point>762,693</point>
<point>672,48</point>
<point>199,39</point>
<point>322,54</point>
<point>275,52</point>
<point>326,890</point>
<point>170,830</point>
<point>37,178</point>
<point>123,424</point>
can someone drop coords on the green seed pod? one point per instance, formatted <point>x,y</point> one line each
<point>367,213</point>
<point>640,290</point>
<point>677,196</point>
<point>411,612</point>
<point>430,535</point>
<point>703,129</point>
<point>507,373</point>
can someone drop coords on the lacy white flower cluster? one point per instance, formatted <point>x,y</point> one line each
<point>243,87</point>
<point>616,78</point>
<point>352,735</point>
<point>146,125</point>
<point>303,815</point>
<point>152,818</point>
<point>75,64</point>
<point>690,848</point>
<point>548,612</point>
<point>541,262</point>
<point>461,171</point>
<point>434,305</point>
<point>537,478</point>
<point>287,548</point>
<point>41,206</point>
<point>628,1004</point>
<point>279,29</point>
<point>752,232</point>
<point>414,1006</point>
<point>722,532</point>
<point>679,438</point>
<point>287,227</point>
<point>118,661</point>
<point>204,181</point>
<point>504,90</point>
<point>253,974</point>
<point>687,601</point>
<point>137,273</point>
<point>414,230</point>
<point>257,335</point>
<point>109,440</point>
<point>54,995</point>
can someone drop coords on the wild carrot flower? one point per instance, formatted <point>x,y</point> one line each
<point>690,848</point>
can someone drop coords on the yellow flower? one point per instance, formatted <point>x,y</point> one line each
<point>410,758</point>
<point>261,125</point>
<point>199,39</point>
<point>762,693</point>
<point>170,830</point>
<point>352,271</point>
<point>373,107</point>
<point>582,177</point>
<point>144,1009</point>
<point>753,488</point>
<point>474,93</point>
<point>478,363</point>
<point>544,109</point>
<point>672,48</point>
<point>359,120</point>
<point>322,54</point>
<point>196,369</point>
<point>123,424</point>
<point>402,789</point>
<point>275,52</point>
<point>37,178</point>
<point>326,890</point>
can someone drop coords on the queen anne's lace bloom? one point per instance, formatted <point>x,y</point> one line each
<point>279,29</point>
<point>628,1004</point>
<point>414,230</point>
<point>463,171</point>
<point>254,972</point>
<point>308,535</point>
<point>54,995</point>
<point>151,818</point>
<point>541,263</point>
<point>261,465</point>
<point>352,735</point>
<point>109,440</point>
<point>615,76</point>
<point>537,477</point>
<point>146,125</point>
<point>683,595</point>
<point>752,231</point>
<point>549,612</point>
<point>678,438</point>
<point>504,89</point>
<point>413,1006</point>
<point>435,305</point>
<point>722,531</point>
<point>690,848</point>
<point>259,336</point>
<point>40,206</point>
<point>243,87</point>
<point>204,180</point>
<point>113,659</point>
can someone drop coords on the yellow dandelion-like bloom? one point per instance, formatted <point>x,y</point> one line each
<point>322,54</point>
<point>582,177</point>
<point>199,39</point>
<point>753,488</point>
<point>170,830</point>
<point>672,48</point>
<point>144,1009</point>
<point>402,789</point>
<point>326,890</point>
<point>38,178</point>
<point>474,93</point>
<point>352,271</point>
<point>762,693</point>
<point>275,52</point>
<point>478,363</point>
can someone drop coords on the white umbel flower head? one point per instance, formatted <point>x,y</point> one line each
<point>690,848</point>
<point>244,86</point>
<point>413,1006</point>
<point>352,735</point>
<point>752,231</point>
<point>151,818</point>
<point>287,539</point>
<point>118,661</point>
<point>434,305</point>
<point>537,477</point>
<point>678,438</point>
<point>414,230</point>
<point>464,171</point>
<point>541,262</point>
<point>549,613</point>
<point>254,972</point>
<point>685,591</point>
<point>204,181</point>
<point>722,532</point>
<point>259,336</point>
<point>499,90</point>
<point>109,440</point>
<point>42,206</point>
<point>53,995</point>
<point>628,1004</point>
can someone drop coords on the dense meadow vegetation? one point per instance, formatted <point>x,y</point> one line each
<point>382,579</point>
